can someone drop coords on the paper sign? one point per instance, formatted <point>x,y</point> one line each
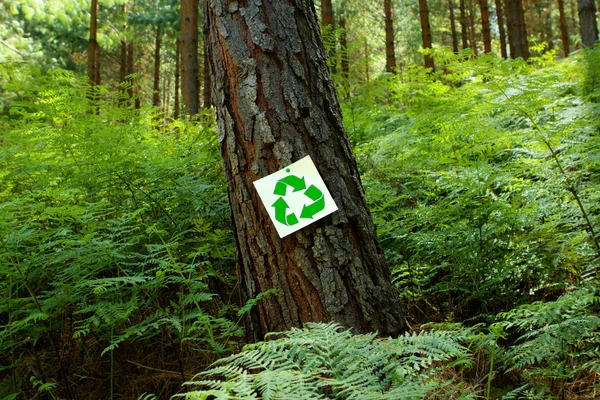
<point>295,196</point>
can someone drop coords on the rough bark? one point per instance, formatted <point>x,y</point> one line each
<point>464,25</point>
<point>177,78</point>
<point>515,31</point>
<point>587,22</point>
<point>501,30</point>
<point>188,15</point>
<point>485,26</point>
<point>156,87</point>
<point>564,30</point>
<point>426,32</point>
<point>276,103</point>
<point>93,44</point>
<point>453,27</point>
<point>390,46</point>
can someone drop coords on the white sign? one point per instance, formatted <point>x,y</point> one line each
<point>295,196</point>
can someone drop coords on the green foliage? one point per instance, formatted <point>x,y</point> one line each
<point>474,212</point>
<point>322,361</point>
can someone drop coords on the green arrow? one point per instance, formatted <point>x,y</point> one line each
<point>280,210</point>
<point>316,195</point>
<point>290,180</point>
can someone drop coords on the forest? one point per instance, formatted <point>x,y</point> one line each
<point>459,140</point>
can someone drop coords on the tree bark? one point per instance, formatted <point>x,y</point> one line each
<point>463,25</point>
<point>485,26</point>
<point>177,77</point>
<point>564,30</point>
<point>188,14</point>
<point>276,103</point>
<point>156,88</point>
<point>93,44</point>
<point>390,46</point>
<point>426,32</point>
<point>453,27</point>
<point>587,22</point>
<point>515,32</point>
<point>501,31</point>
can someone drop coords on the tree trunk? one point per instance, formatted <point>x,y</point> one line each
<point>344,50</point>
<point>485,26</point>
<point>564,31</point>
<point>515,31</point>
<point>206,80</point>
<point>501,31</point>
<point>587,22</point>
<point>156,88</point>
<point>188,14</point>
<point>453,27</point>
<point>426,32</point>
<point>93,44</point>
<point>130,79</point>
<point>390,46</point>
<point>524,28</point>
<point>177,77</point>
<point>276,103</point>
<point>472,37</point>
<point>463,25</point>
<point>328,23</point>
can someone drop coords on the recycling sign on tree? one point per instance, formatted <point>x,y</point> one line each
<point>295,196</point>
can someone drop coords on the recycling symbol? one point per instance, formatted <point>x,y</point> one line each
<point>297,184</point>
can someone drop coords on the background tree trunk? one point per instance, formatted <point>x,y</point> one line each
<point>207,102</point>
<point>453,27</point>
<point>426,32</point>
<point>524,28</point>
<point>188,15</point>
<point>472,37</point>
<point>501,30</point>
<point>344,50</point>
<point>276,103</point>
<point>93,43</point>
<point>328,22</point>
<point>177,77</point>
<point>463,25</point>
<point>515,32</point>
<point>156,87</point>
<point>485,26</point>
<point>390,46</point>
<point>564,30</point>
<point>587,22</point>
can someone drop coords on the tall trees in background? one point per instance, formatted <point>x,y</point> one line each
<point>453,27</point>
<point>188,14</point>
<point>587,22</point>
<point>464,25</point>
<point>333,270</point>
<point>564,32</point>
<point>93,45</point>
<point>485,26</point>
<point>501,30</point>
<point>426,32</point>
<point>390,49</point>
<point>517,34</point>
<point>156,86</point>
<point>328,23</point>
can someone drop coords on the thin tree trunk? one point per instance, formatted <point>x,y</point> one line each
<point>156,88</point>
<point>485,26</point>
<point>177,77</point>
<point>130,79</point>
<point>472,37</point>
<point>93,43</point>
<point>390,46</point>
<point>524,28</point>
<point>453,27</point>
<point>189,53</point>
<point>564,30</point>
<point>277,103</point>
<point>515,31</point>
<point>206,77</point>
<point>501,30</point>
<point>328,22</point>
<point>587,22</point>
<point>426,32</point>
<point>344,50</point>
<point>464,25</point>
